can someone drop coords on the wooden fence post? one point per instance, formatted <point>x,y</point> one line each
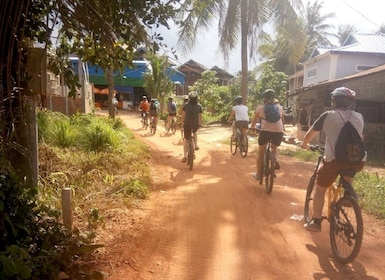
<point>67,207</point>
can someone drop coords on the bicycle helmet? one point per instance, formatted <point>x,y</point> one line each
<point>144,97</point>
<point>268,94</point>
<point>238,98</point>
<point>343,91</point>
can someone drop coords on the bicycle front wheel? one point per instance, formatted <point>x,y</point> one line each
<point>308,209</point>
<point>244,147</point>
<point>269,173</point>
<point>233,145</point>
<point>346,229</point>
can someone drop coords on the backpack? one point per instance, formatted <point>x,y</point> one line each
<point>173,107</point>
<point>349,148</point>
<point>272,113</point>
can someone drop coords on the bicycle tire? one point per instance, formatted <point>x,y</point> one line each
<point>245,146</point>
<point>190,158</point>
<point>308,208</point>
<point>269,173</point>
<point>346,229</point>
<point>233,145</point>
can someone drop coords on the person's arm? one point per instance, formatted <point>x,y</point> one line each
<point>313,130</point>
<point>183,116</point>
<point>255,119</point>
<point>231,117</point>
<point>200,119</point>
<point>310,134</point>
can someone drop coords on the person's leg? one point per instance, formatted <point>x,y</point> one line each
<point>195,135</point>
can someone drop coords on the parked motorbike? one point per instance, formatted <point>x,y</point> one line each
<point>288,116</point>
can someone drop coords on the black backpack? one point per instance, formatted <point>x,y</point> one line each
<point>349,148</point>
<point>272,113</point>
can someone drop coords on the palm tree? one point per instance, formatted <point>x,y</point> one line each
<point>317,30</point>
<point>344,31</point>
<point>239,21</point>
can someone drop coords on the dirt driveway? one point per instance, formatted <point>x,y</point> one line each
<point>215,222</point>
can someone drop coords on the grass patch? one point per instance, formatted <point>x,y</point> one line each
<point>97,157</point>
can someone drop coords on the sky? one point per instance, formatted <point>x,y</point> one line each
<point>365,15</point>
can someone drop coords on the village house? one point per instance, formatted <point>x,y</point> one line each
<point>360,65</point>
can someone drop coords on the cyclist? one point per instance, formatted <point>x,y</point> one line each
<point>171,110</point>
<point>191,120</point>
<point>144,107</point>
<point>154,110</point>
<point>331,123</point>
<point>239,113</point>
<point>270,131</point>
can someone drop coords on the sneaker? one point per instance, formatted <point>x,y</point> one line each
<point>257,177</point>
<point>277,165</point>
<point>196,148</point>
<point>184,159</point>
<point>313,226</point>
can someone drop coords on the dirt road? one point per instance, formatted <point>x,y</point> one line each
<point>216,222</point>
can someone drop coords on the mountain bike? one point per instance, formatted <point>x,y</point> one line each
<point>152,125</point>
<point>344,214</point>
<point>241,141</point>
<point>172,125</point>
<point>268,169</point>
<point>144,120</point>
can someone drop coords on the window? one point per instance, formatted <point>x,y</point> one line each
<point>312,73</point>
<point>363,67</point>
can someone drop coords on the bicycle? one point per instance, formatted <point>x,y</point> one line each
<point>152,125</point>
<point>191,150</point>
<point>172,125</point>
<point>344,214</point>
<point>268,169</point>
<point>144,119</point>
<point>241,141</point>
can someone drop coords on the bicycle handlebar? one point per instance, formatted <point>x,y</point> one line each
<point>316,148</point>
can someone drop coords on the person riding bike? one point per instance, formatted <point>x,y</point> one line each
<point>270,130</point>
<point>144,107</point>
<point>191,120</point>
<point>171,110</point>
<point>154,110</point>
<point>239,113</point>
<point>331,123</point>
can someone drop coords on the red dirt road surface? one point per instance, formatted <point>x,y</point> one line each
<point>217,223</point>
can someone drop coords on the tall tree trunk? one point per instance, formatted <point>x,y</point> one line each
<point>110,83</point>
<point>244,56</point>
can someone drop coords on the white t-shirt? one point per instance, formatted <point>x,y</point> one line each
<point>241,112</point>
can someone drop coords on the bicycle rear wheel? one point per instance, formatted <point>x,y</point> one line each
<point>191,151</point>
<point>308,209</point>
<point>233,145</point>
<point>269,172</point>
<point>346,229</point>
<point>244,147</point>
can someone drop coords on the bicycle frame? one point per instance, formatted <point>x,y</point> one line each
<point>268,168</point>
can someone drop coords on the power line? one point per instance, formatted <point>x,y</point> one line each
<point>361,14</point>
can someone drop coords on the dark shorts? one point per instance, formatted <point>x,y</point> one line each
<point>328,173</point>
<point>266,136</point>
<point>187,130</point>
<point>241,124</point>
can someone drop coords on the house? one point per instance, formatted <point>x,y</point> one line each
<point>360,65</point>
<point>193,71</point>
<point>128,83</point>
